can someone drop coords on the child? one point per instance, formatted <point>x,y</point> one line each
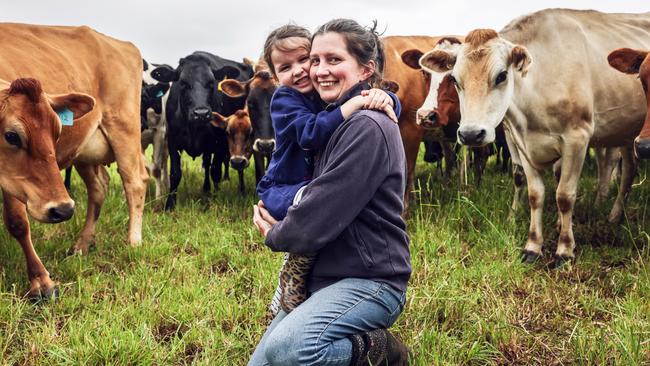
<point>301,128</point>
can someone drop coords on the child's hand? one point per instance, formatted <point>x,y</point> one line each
<point>379,100</point>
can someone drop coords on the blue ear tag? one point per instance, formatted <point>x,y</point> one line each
<point>160,94</point>
<point>66,116</point>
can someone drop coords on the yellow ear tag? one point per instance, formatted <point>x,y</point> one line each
<point>219,85</point>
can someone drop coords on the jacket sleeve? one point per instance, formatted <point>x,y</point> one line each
<point>310,129</point>
<point>397,107</point>
<point>356,167</point>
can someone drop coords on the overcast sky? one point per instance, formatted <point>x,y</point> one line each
<point>165,31</point>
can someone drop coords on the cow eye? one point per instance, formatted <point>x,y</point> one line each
<point>12,138</point>
<point>503,75</point>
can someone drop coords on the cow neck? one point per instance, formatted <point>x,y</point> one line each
<point>353,92</point>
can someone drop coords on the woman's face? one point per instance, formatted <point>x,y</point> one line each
<point>334,71</point>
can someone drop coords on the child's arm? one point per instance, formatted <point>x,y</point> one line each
<point>293,117</point>
<point>386,101</point>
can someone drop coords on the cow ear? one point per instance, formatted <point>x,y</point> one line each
<point>412,58</point>
<point>226,72</point>
<point>218,121</point>
<point>233,88</point>
<point>520,59</point>
<point>627,60</point>
<point>80,104</point>
<point>389,85</point>
<point>165,74</point>
<point>438,60</point>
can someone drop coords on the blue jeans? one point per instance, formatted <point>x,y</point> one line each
<point>316,332</point>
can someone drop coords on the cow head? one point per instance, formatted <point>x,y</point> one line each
<point>30,128</point>
<point>441,104</point>
<point>483,72</point>
<point>636,62</point>
<point>239,130</point>
<point>195,81</point>
<point>258,91</point>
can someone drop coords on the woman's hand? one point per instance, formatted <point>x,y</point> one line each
<point>263,219</point>
<point>379,100</point>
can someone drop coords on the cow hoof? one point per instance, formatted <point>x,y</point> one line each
<point>560,260</point>
<point>49,294</point>
<point>529,257</point>
<point>169,205</point>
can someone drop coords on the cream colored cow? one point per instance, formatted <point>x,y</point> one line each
<point>547,75</point>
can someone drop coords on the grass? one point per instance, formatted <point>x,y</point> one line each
<point>197,289</point>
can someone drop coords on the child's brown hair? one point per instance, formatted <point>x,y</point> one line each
<point>277,40</point>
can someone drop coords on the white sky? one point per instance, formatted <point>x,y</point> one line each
<point>165,31</point>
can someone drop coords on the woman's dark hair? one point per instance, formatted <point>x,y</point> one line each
<point>362,43</point>
<point>276,40</point>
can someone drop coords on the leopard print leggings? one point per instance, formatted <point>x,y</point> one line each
<point>292,283</point>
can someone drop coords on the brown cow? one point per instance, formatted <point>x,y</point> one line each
<point>30,178</point>
<point>636,62</point>
<point>411,93</point>
<point>81,59</point>
<point>240,140</point>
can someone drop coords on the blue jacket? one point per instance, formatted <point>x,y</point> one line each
<point>302,127</point>
<point>351,212</point>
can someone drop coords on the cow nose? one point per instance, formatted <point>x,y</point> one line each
<point>642,148</point>
<point>201,114</point>
<point>238,162</point>
<point>60,212</point>
<point>471,136</point>
<point>267,146</point>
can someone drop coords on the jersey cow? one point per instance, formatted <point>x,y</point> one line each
<point>30,178</point>
<point>636,62</point>
<point>239,130</point>
<point>258,91</point>
<point>193,97</point>
<point>66,59</point>
<point>555,104</point>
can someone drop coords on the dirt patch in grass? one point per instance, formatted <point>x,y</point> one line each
<point>221,266</point>
<point>166,331</point>
<point>191,353</point>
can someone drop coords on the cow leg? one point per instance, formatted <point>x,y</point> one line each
<point>206,161</point>
<point>627,176</point>
<point>68,178</point>
<point>411,137</point>
<point>215,168</point>
<point>175,175</point>
<point>96,179</point>
<point>160,155</point>
<point>242,189</point>
<point>533,249</point>
<point>450,158</point>
<point>480,159</point>
<point>259,166</point>
<point>606,160</point>
<point>573,157</point>
<point>16,222</point>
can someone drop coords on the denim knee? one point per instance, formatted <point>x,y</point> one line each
<point>280,349</point>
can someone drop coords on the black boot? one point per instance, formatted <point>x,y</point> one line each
<point>368,348</point>
<point>397,354</point>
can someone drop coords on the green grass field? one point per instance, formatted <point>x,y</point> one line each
<point>196,290</point>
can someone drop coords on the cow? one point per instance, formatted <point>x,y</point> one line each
<point>66,59</point>
<point>193,97</point>
<point>154,125</point>
<point>258,91</point>
<point>239,130</point>
<point>636,62</point>
<point>30,178</point>
<point>439,114</point>
<point>554,108</point>
<point>411,93</point>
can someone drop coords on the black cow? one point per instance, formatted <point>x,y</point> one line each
<point>258,91</point>
<point>193,97</point>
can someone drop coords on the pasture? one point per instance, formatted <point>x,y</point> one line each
<point>196,290</point>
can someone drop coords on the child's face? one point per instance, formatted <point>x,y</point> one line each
<point>292,68</point>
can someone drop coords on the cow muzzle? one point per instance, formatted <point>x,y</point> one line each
<point>264,146</point>
<point>238,162</point>
<point>201,114</point>
<point>642,148</point>
<point>429,121</point>
<point>472,135</point>
<point>60,212</point>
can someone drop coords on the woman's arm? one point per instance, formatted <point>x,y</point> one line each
<point>356,166</point>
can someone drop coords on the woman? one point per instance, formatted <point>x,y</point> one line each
<point>351,215</point>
